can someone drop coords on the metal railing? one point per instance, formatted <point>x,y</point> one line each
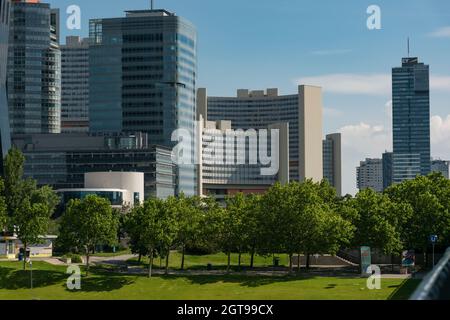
<point>436,285</point>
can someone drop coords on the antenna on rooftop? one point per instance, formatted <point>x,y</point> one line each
<point>408,47</point>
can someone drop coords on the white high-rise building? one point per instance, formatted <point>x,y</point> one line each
<point>369,174</point>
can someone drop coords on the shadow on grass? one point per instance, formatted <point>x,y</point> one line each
<point>12,279</point>
<point>404,290</point>
<point>96,283</point>
<point>242,280</point>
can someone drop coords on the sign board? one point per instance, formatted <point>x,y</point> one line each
<point>366,259</point>
<point>408,258</point>
<point>433,238</point>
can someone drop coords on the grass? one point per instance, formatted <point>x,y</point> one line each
<point>112,254</point>
<point>218,261</point>
<point>50,284</point>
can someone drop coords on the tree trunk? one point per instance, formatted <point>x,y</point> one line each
<point>229,262</point>
<point>290,262</point>
<point>87,262</point>
<point>150,263</point>
<point>139,258</point>
<point>25,256</point>
<point>183,250</point>
<point>167,262</point>
<point>252,258</point>
<point>239,259</point>
<point>307,261</point>
<point>298,263</point>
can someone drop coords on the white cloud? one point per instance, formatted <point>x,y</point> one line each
<point>440,83</point>
<point>440,137</point>
<point>365,84</point>
<point>443,32</point>
<point>347,83</point>
<point>360,141</point>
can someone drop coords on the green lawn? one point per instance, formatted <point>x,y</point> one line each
<point>218,261</point>
<point>49,283</point>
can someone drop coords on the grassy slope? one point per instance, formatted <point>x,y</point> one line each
<point>49,283</point>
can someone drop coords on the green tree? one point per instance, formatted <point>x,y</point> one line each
<point>375,224</point>
<point>188,220</point>
<point>3,207</point>
<point>169,226</point>
<point>253,225</point>
<point>32,218</point>
<point>29,207</point>
<point>428,198</point>
<point>89,222</point>
<point>146,227</point>
<point>235,232</point>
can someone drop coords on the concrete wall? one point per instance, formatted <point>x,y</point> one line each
<point>310,132</point>
<point>131,181</point>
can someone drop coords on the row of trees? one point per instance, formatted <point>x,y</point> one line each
<point>298,218</point>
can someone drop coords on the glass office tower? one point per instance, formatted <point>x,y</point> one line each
<point>411,120</point>
<point>143,78</point>
<point>34,68</point>
<point>5,139</point>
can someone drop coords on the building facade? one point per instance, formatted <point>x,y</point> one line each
<point>34,68</point>
<point>387,169</point>
<point>5,138</point>
<point>369,175</point>
<point>441,166</point>
<point>62,160</point>
<point>143,71</point>
<point>411,120</point>
<point>259,109</point>
<point>239,161</point>
<point>123,190</point>
<point>75,85</point>
<point>332,161</point>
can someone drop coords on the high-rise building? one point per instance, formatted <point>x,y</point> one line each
<point>411,120</point>
<point>332,161</point>
<point>387,169</point>
<point>143,78</point>
<point>34,68</point>
<point>5,138</point>
<point>260,109</point>
<point>226,166</point>
<point>441,166</point>
<point>369,174</point>
<point>75,85</point>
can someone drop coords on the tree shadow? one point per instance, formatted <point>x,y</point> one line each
<point>404,290</point>
<point>97,283</point>
<point>12,279</point>
<point>251,281</point>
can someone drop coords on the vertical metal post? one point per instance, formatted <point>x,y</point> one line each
<point>31,273</point>
<point>433,255</point>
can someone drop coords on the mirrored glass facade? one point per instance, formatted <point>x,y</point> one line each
<point>143,78</point>
<point>34,70</point>
<point>5,139</point>
<point>411,120</point>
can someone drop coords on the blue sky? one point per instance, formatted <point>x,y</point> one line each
<point>260,44</point>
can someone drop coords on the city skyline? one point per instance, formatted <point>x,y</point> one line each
<point>361,78</point>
